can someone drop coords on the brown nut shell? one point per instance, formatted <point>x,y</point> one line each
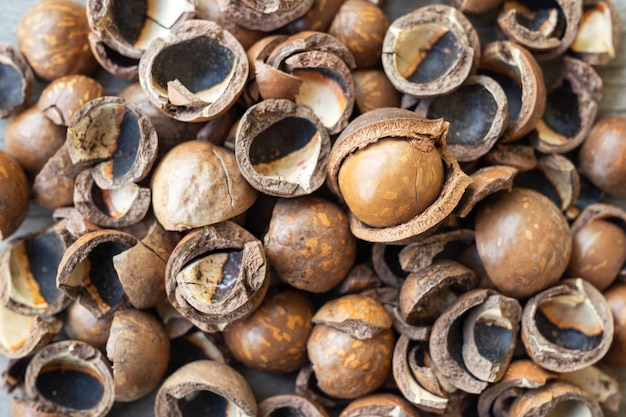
<point>448,244</point>
<point>525,255</point>
<point>111,60</point>
<point>62,98</point>
<point>16,81</point>
<point>599,32</point>
<point>430,51</point>
<point>32,139</point>
<point>555,397</point>
<point>52,35</point>
<point>486,181</point>
<point>567,327</point>
<point>273,338</point>
<point>282,148</point>
<point>384,405</point>
<point>264,16</point>
<point>60,369</point>
<point>217,275</point>
<point>204,384</point>
<point>199,89</point>
<point>474,6</point>
<point>370,128</point>
<point>87,271</point>
<point>53,186</point>
<point>310,41</point>
<point>81,324</point>
<point>139,350</point>
<point>291,403</point>
<point>22,335</point>
<point>14,193</point>
<point>373,90</point>
<point>599,383</point>
<point>616,298</point>
<point>208,187</point>
<point>309,243</point>
<point>519,74</point>
<point>28,272</point>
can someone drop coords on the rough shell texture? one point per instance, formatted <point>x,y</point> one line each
<point>309,243</point>
<point>380,405</point>
<point>198,184</point>
<point>54,185</point>
<point>62,98</point>
<point>301,405</point>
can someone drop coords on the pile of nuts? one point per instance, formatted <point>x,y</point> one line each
<point>407,221</point>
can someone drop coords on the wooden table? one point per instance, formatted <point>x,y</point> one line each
<point>614,103</point>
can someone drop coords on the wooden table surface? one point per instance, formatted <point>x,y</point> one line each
<point>613,103</point>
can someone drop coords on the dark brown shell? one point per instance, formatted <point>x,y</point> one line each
<point>486,181</point>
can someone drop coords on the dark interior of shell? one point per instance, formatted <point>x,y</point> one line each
<point>103,275</point>
<point>288,149</point>
<point>211,276</point>
<point>546,16</point>
<point>44,253</point>
<point>494,339</point>
<point>11,83</point>
<point>286,412</point>
<point>204,403</point>
<point>562,112</point>
<point>470,111</point>
<point>512,89</point>
<point>70,386</point>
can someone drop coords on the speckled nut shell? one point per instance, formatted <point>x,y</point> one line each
<point>306,385</point>
<point>478,115</point>
<point>52,35</point>
<point>430,51</point>
<point>32,139</point>
<point>409,380</point>
<point>87,271</point>
<point>530,256</point>
<point>309,243</point>
<point>28,272</point>
<point>264,16</point>
<point>486,347</point>
<point>114,136</point>
<point>111,60</point>
<point>485,181</point>
<point>474,6</point>
<point>426,294</point>
<point>61,369</point>
<point>62,98</point>
<point>53,186</point>
<point>291,403</point>
<point>555,397</point>
<point>81,324</point>
<point>14,193</point>
<point>23,335</point>
<point>384,405</point>
<point>350,346</point>
<point>217,275</point>
<point>273,338</point>
<point>571,107</point>
<point>448,244</point>
<point>567,327</point>
<point>550,30</point>
<point>370,129</point>
<point>129,28</point>
<point>522,375</point>
<point>373,90</point>
<point>599,32</point>
<point>16,81</point>
<point>207,187</point>
<point>282,148</point>
<point>115,208</point>
<point>521,78</point>
<point>180,79</point>
<point>139,351</point>
<point>205,385</point>
<point>361,26</point>
<point>600,155</point>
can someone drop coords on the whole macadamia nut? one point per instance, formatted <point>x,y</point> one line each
<point>52,35</point>
<point>309,243</point>
<point>603,153</point>
<point>198,184</point>
<point>523,241</point>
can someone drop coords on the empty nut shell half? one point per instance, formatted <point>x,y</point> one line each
<point>554,398</point>
<point>478,115</point>
<point>53,186</point>
<point>386,264</point>
<point>205,385</point>
<point>282,148</point>
<point>599,32</point>
<point>571,108</point>
<point>23,335</point>
<point>196,73</point>
<point>116,137</point>
<point>217,275</point>
<point>547,28</point>
<point>383,405</point>
<point>16,81</point>
<point>445,245</point>
<point>61,370</point>
<point>130,27</point>
<point>28,272</point>
<point>474,6</point>
<point>290,404</point>
<point>309,41</point>
<point>116,208</point>
<point>567,327</point>
<point>521,78</point>
<point>430,51</point>
<point>486,181</point>
<point>87,271</point>
<point>396,204</point>
<point>265,16</point>
<point>111,60</point>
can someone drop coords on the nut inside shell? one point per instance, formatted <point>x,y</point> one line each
<point>116,137</point>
